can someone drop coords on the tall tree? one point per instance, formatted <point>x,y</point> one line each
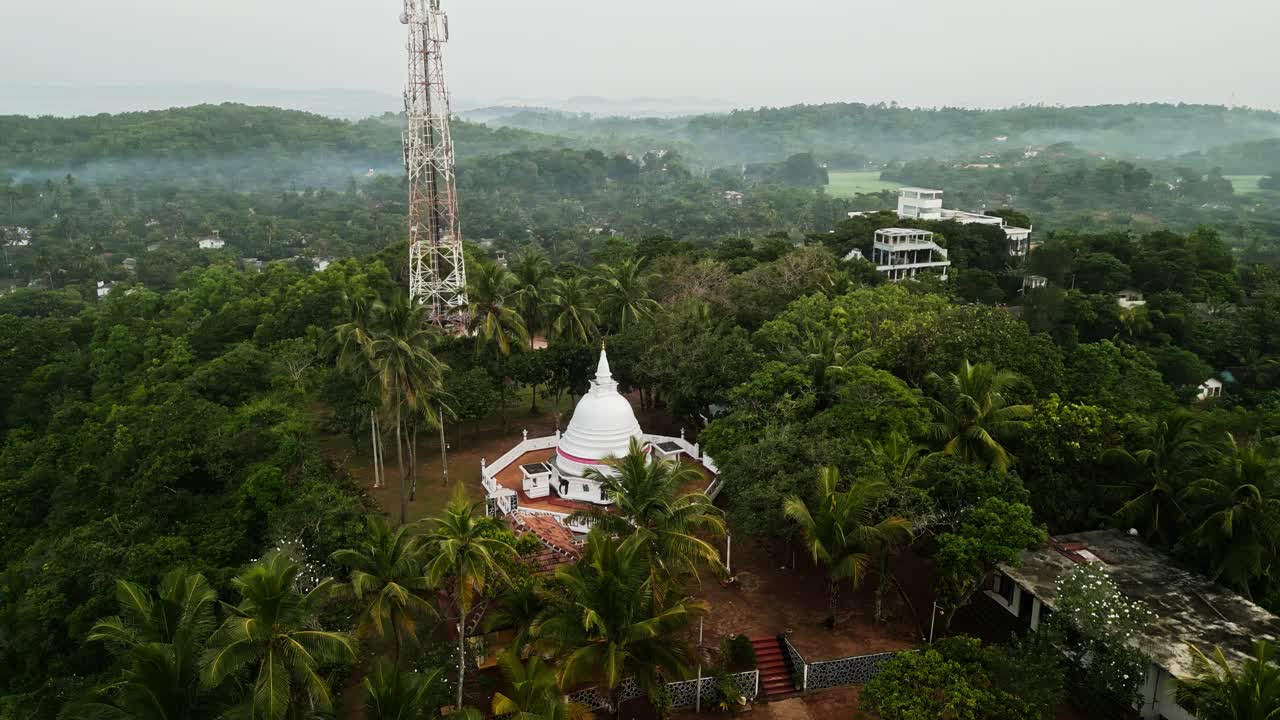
<point>1236,512</point>
<point>647,501</point>
<point>1222,690</point>
<point>408,375</point>
<point>570,313</point>
<point>159,636</point>
<point>387,580</point>
<point>533,276</point>
<point>606,621</point>
<point>465,553</point>
<point>972,416</point>
<point>274,632</point>
<point>1166,454</point>
<point>624,299</point>
<point>495,323</point>
<point>841,533</point>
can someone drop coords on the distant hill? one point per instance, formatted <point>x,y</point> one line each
<point>1259,157</point>
<point>72,100</point>
<point>886,133</point>
<point>235,143</point>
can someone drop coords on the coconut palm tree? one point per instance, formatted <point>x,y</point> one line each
<point>465,554</point>
<point>623,297</point>
<point>387,580</point>
<point>533,275</point>
<point>535,692</point>
<point>1236,512</point>
<point>972,418</point>
<point>1167,454</point>
<point>408,376</point>
<point>827,353</point>
<point>494,320</point>
<point>1135,324</point>
<point>570,314</point>
<point>840,532</point>
<point>274,633</point>
<point>350,343</point>
<point>516,609</point>
<point>392,694</point>
<point>606,621</point>
<point>647,502</point>
<point>159,636</point>
<point>1222,690</point>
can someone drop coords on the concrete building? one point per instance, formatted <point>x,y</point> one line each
<point>926,204</point>
<point>1209,389</point>
<point>1130,298</point>
<point>104,288</point>
<point>919,203</point>
<point>902,253</point>
<point>1189,608</point>
<point>1034,282</point>
<point>212,242</point>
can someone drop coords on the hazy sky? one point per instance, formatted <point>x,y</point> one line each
<point>921,52</point>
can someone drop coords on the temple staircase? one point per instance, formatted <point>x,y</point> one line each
<point>776,674</point>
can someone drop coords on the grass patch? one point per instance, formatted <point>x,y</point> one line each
<point>1245,184</point>
<point>847,183</point>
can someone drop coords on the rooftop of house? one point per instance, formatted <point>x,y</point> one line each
<point>1189,607</point>
<point>558,545</point>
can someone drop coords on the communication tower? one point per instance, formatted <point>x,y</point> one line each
<point>437,274</point>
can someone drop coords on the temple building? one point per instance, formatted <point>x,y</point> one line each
<point>553,475</point>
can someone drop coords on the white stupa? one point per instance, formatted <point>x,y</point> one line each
<point>602,428</point>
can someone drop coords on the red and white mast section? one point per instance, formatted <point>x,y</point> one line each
<point>437,273</point>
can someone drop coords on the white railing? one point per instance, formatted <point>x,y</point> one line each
<point>490,470</point>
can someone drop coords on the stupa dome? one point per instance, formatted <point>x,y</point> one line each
<point>602,425</point>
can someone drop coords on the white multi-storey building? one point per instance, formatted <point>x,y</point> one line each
<point>919,203</point>
<point>926,204</point>
<point>902,253</point>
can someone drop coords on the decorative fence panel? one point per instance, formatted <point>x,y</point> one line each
<point>846,671</point>
<point>798,664</point>
<point>685,694</point>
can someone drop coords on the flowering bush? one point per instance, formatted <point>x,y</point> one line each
<point>1099,624</point>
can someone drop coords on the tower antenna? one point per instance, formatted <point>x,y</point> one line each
<point>437,273</point>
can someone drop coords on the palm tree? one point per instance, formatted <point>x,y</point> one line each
<point>408,375</point>
<point>159,634</point>
<point>387,580</point>
<point>1221,690</point>
<point>535,692</point>
<point>495,322</point>
<point>464,555</point>
<point>1154,474</point>
<point>623,298</point>
<point>350,342</point>
<point>827,353</point>
<point>1135,324</point>
<point>840,531</point>
<point>973,417</point>
<point>273,631</point>
<point>897,455</point>
<point>606,621</point>
<point>647,502</point>
<point>569,310</point>
<point>390,694</point>
<point>533,272</point>
<point>1237,511</point>
<point>516,609</point>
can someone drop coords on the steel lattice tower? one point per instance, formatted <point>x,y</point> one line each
<point>437,274</point>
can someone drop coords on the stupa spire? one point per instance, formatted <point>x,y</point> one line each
<point>603,373</point>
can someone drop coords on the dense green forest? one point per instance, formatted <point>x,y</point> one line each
<point>847,134</point>
<point>169,444</point>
